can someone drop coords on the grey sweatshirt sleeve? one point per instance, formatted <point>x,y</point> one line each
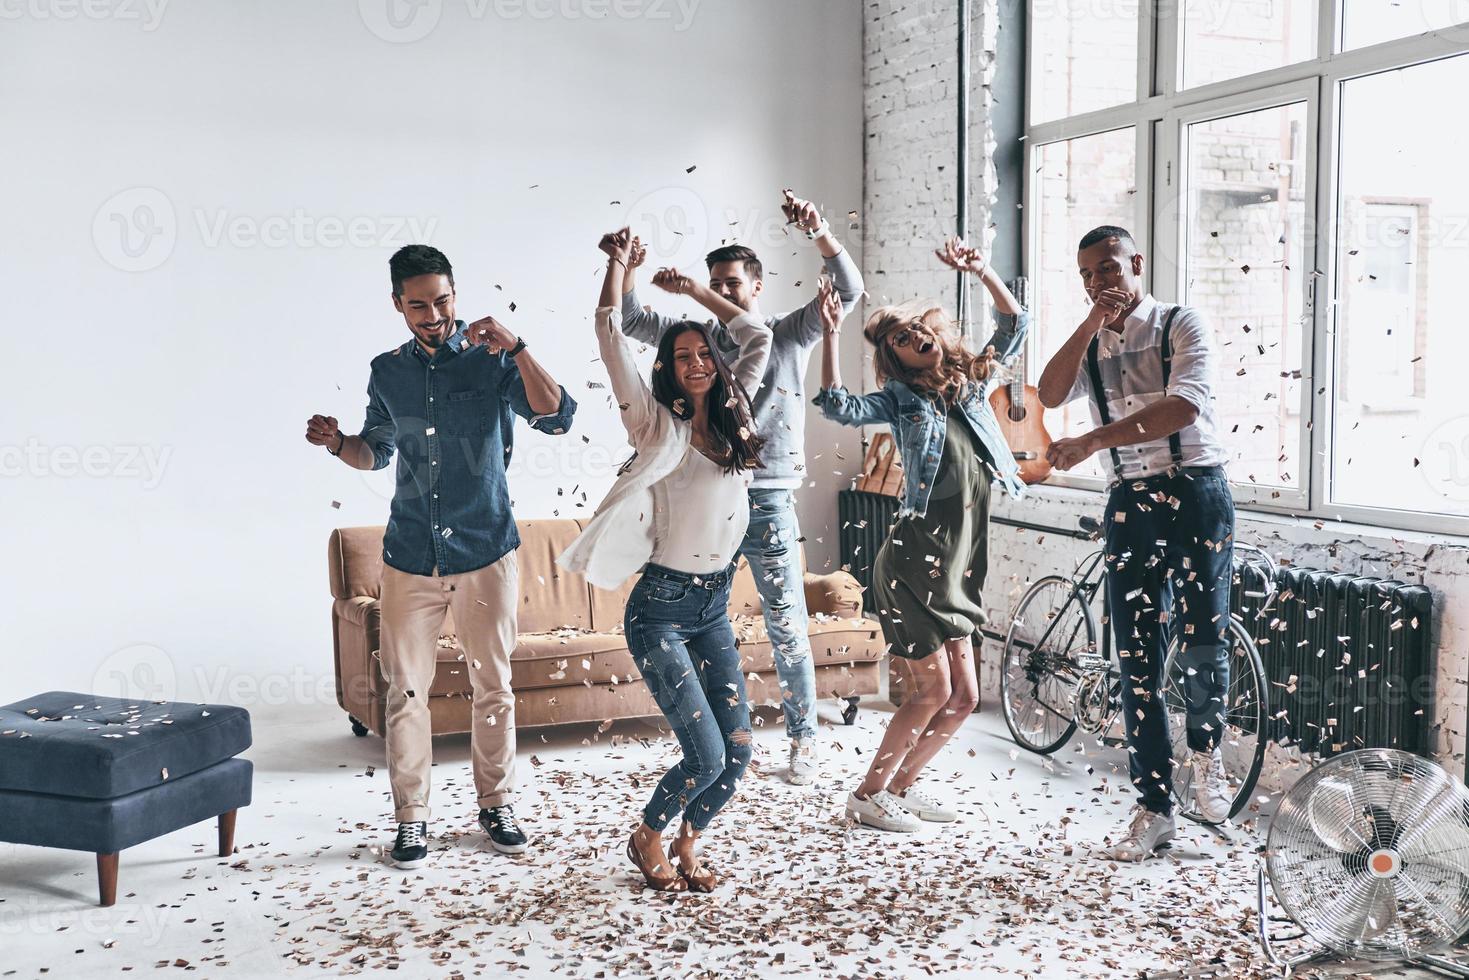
<point>805,324</point>
<point>641,324</point>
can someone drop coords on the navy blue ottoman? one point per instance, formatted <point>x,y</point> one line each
<point>102,774</point>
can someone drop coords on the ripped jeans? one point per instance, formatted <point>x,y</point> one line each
<point>772,547</point>
<point>678,632</point>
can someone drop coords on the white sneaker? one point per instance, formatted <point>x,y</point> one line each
<point>1212,795</point>
<point>924,807</point>
<point>802,770</point>
<point>1146,832</point>
<point>883,811</point>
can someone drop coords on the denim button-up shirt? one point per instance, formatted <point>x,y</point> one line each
<point>448,417</point>
<point>918,423</point>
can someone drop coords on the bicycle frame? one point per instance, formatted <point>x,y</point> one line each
<point>1088,578</point>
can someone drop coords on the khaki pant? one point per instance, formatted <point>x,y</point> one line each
<point>484,606</point>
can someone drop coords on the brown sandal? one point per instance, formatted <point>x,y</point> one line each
<point>675,883</point>
<point>701,879</point>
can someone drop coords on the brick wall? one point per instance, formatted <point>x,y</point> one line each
<point>910,63</point>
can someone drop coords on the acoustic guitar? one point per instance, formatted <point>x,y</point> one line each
<point>1021,415</point>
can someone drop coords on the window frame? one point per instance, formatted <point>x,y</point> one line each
<point>1158,116</point>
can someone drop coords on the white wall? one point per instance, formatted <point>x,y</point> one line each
<point>254,137</point>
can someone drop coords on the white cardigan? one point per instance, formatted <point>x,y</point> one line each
<point>618,541</point>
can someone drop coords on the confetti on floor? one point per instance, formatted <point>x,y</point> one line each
<point>1010,891</point>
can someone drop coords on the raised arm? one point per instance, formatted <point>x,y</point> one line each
<point>673,281</point>
<point>1190,384</point>
<point>634,399</point>
<point>834,400</point>
<point>806,323</point>
<point>647,326</point>
<point>754,338</point>
<point>1058,380</point>
<point>526,386</point>
<point>1012,321</point>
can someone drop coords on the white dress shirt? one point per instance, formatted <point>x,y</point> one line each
<point>1131,366</point>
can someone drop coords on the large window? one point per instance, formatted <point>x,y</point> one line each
<point>1400,432</point>
<point>1080,183</point>
<point>1289,168</point>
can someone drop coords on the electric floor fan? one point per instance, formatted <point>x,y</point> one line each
<point>1369,855</point>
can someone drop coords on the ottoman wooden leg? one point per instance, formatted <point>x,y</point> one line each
<point>227,833</point>
<point>107,879</point>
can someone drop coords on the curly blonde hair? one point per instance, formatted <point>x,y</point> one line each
<point>957,370</point>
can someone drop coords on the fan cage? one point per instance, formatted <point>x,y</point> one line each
<point>1369,855</point>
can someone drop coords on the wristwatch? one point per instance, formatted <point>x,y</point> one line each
<point>519,346</point>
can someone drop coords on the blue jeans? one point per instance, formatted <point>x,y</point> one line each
<point>1169,565</point>
<point>772,548</point>
<point>679,635</point>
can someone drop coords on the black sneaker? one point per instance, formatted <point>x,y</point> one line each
<point>411,847</point>
<point>505,834</point>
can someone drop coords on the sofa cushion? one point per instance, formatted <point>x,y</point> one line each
<point>550,596</point>
<point>69,744</point>
<point>833,641</point>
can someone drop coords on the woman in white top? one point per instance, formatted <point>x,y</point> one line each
<point>677,513</point>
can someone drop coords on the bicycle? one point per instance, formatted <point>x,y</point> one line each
<point>1055,682</point>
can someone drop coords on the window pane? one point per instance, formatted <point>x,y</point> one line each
<point>1245,235</point>
<point>1401,435</point>
<point>1227,40</point>
<point>1083,56</point>
<point>1080,184</point>
<point>1367,22</point>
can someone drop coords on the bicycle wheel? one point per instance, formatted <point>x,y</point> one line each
<point>1051,630</point>
<point>1243,742</point>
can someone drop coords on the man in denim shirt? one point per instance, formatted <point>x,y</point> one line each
<point>443,402</point>
<point>772,542</point>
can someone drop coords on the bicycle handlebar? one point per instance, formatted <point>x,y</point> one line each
<point>1259,555</point>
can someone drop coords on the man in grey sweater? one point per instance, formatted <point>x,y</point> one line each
<point>771,543</point>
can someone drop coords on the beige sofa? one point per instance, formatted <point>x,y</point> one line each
<point>571,663</point>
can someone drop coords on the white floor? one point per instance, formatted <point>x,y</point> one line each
<point>1010,891</point>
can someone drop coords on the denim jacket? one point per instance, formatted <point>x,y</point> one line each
<point>918,423</point>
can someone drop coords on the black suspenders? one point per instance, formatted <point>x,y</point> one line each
<point>1099,394</point>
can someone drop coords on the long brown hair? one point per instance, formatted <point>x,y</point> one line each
<point>957,370</point>
<point>730,415</point>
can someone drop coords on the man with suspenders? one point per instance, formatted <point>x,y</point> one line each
<point>1149,370</point>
